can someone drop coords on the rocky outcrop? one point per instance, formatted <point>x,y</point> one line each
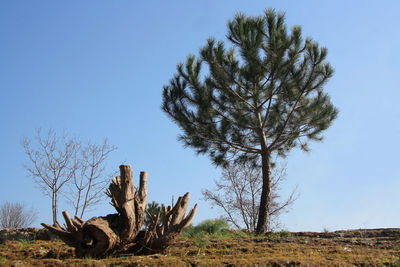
<point>362,233</point>
<point>24,234</point>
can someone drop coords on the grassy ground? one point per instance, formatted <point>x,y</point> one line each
<point>345,248</point>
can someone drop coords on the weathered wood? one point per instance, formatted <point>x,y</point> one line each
<point>98,237</point>
<point>158,237</point>
<point>129,204</point>
<point>94,237</point>
<point>121,232</point>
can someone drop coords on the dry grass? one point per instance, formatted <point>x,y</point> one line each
<point>317,249</point>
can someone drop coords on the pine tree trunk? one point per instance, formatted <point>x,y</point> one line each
<point>265,202</point>
<point>121,232</point>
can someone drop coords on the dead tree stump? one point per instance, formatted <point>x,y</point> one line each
<point>122,232</point>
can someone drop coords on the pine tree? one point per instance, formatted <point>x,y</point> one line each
<point>261,97</point>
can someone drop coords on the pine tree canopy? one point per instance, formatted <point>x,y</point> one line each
<point>263,94</point>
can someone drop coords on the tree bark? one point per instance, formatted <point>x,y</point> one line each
<point>160,236</point>
<point>265,201</point>
<point>121,232</point>
<point>129,204</point>
<point>54,206</point>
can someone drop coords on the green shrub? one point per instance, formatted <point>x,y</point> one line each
<point>210,227</point>
<point>189,231</point>
<point>285,234</point>
<point>24,243</point>
<point>200,240</point>
<point>240,233</point>
<point>152,209</point>
<point>279,234</point>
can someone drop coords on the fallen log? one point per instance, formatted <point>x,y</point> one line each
<point>122,232</point>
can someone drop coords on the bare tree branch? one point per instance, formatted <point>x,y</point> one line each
<point>56,161</point>
<point>16,215</point>
<point>90,179</point>
<point>49,163</point>
<point>238,192</point>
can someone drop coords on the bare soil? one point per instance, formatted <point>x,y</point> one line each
<point>373,247</point>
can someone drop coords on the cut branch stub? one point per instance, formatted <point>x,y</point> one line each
<point>71,234</point>
<point>158,237</point>
<point>129,204</point>
<point>94,237</point>
<point>117,233</point>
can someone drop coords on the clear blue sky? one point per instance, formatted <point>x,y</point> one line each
<point>97,69</point>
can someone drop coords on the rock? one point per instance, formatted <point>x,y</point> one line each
<point>28,234</point>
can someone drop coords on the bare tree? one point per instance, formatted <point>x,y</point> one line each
<point>89,179</point>
<point>50,164</point>
<point>16,215</point>
<point>59,161</point>
<point>238,191</point>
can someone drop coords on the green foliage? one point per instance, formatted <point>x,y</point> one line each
<point>88,259</point>
<point>213,226</point>
<point>24,243</point>
<point>242,234</point>
<point>152,209</point>
<point>223,235</point>
<point>201,240</point>
<point>285,234</point>
<point>280,234</point>
<point>207,227</point>
<point>189,231</point>
<point>262,94</point>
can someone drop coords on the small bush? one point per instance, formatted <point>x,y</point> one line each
<point>16,215</point>
<point>241,233</point>
<point>152,209</point>
<point>189,231</point>
<point>24,243</point>
<point>210,227</point>
<point>279,234</point>
<point>200,240</point>
<point>285,234</point>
